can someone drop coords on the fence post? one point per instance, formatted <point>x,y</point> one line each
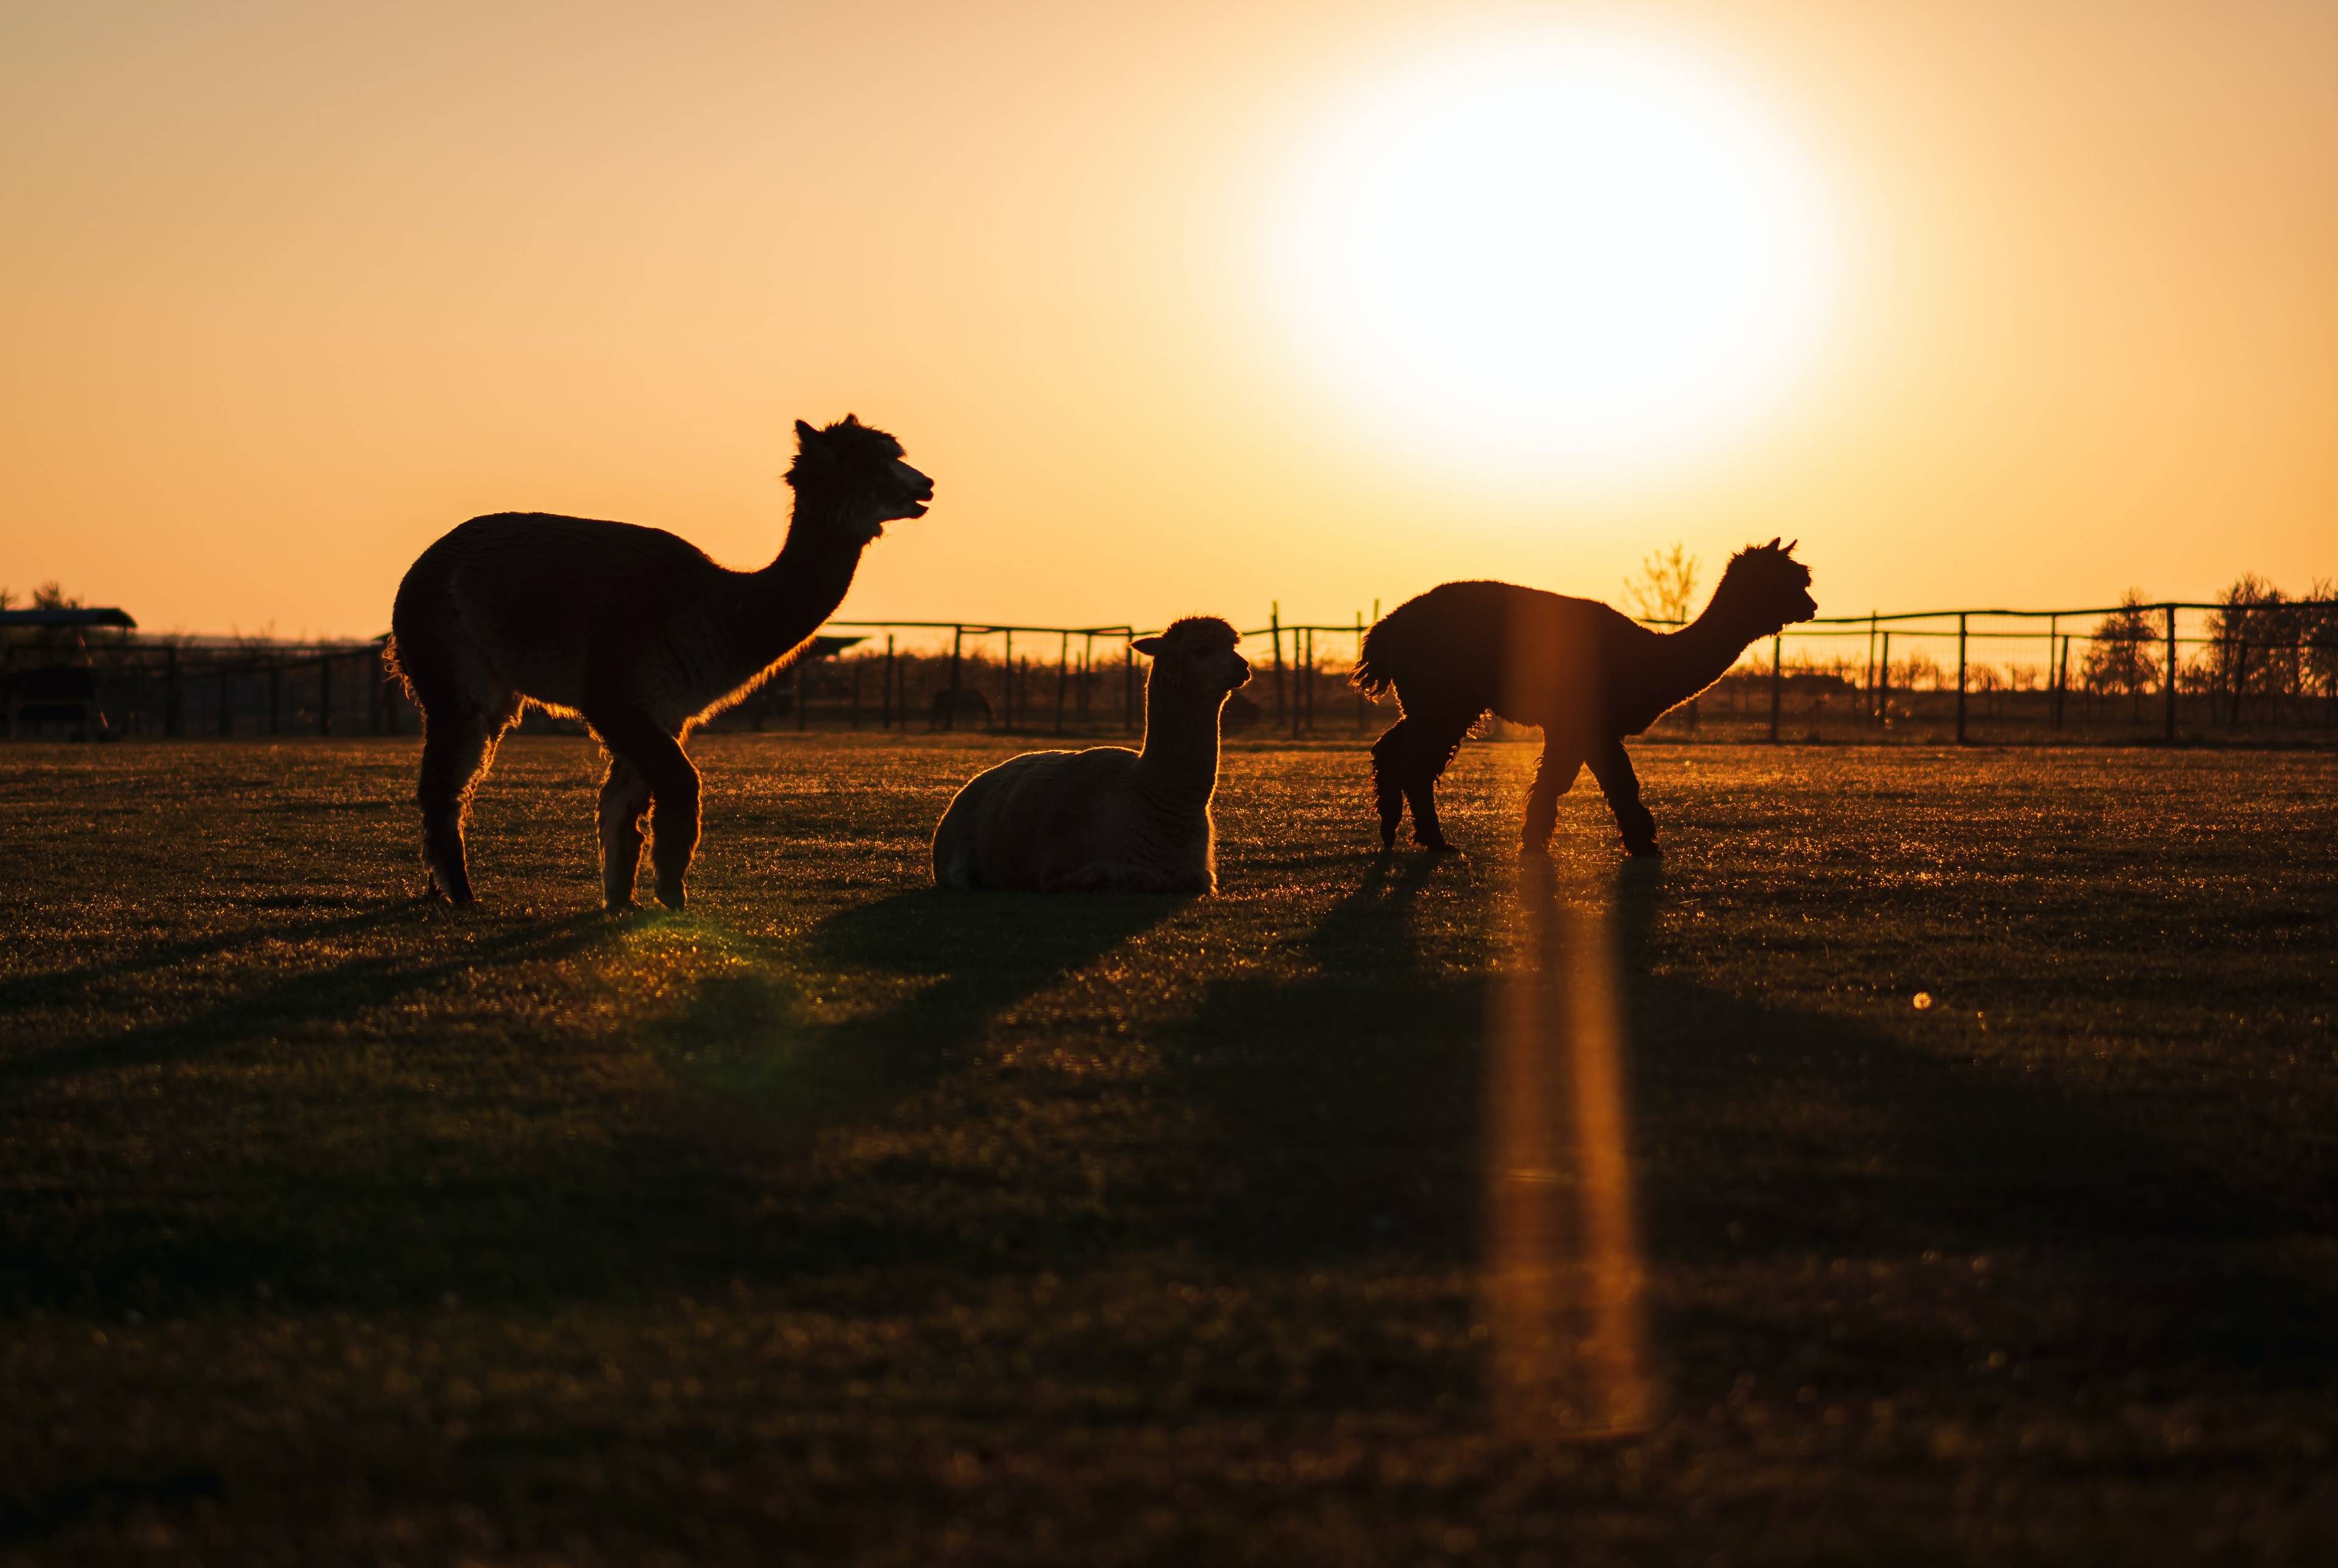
<point>958,648</point>
<point>1883,684</point>
<point>324,694</point>
<point>2053,669</point>
<point>885,697</point>
<point>173,691</point>
<point>1359,659</point>
<point>2169,684</point>
<point>1312,692</point>
<point>275,696</point>
<point>1872,711</point>
<point>226,697</point>
<point>1006,677</point>
<point>1086,702</point>
<point>1961,678</point>
<point>1128,685</point>
<point>1063,677</point>
<point>1777,682</point>
<point>1282,690</point>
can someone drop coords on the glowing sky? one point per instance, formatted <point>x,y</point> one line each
<point>289,290</point>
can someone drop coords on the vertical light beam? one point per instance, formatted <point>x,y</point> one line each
<point>1564,1277</point>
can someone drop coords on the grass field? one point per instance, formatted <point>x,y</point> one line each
<point>840,1219</point>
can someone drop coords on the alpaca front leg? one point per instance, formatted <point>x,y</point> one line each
<point>673,830</point>
<point>1554,777</point>
<point>1612,766</point>
<point>624,795</point>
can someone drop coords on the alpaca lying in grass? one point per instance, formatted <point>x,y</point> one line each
<point>631,629</point>
<point>1584,675</point>
<point>1108,818</point>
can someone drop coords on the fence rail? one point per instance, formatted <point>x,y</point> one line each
<point>2204,671</point>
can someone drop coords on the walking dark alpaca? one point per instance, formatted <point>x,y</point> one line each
<point>1584,675</point>
<point>632,630</point>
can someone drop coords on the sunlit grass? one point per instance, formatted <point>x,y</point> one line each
<point>842,1218</point>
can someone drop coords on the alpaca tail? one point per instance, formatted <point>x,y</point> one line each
<point>1383,650</point>
<point>396,669</point>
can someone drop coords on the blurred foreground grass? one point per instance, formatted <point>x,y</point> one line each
<point>841,1219</point>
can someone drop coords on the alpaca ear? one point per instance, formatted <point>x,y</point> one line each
<point>805,435</point>
<point>1773,542</point>
<point>853,420</point>
<point>1148,646</point>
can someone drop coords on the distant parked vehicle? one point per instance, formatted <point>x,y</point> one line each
<point>62,688</point>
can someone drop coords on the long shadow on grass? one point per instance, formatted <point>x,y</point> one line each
<point>1770,1140</point>
<point>1349,1099</point>
<point>67,984</point>
<point>634,1211</point>
<point>955,961</point>
<point>1767,1143</point>
<point>412,1224</point>
<point>333,992</point>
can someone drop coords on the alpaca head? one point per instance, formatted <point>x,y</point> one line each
<point>1765,589</point>
<point>856,472</point>
<point>1196,661</point>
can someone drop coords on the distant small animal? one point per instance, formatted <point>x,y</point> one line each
<point>1108,818</point>
<point>1585,674</point>
<point>972,708</point>
<point>632,630</point>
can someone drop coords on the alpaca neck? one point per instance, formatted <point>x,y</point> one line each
<point>1178,768</point>
<point>1701,652</point>
<point>802,586</point>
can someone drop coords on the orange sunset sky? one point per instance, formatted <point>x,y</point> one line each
<point>290,290</point>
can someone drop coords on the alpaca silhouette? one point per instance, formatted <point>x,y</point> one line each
<point>631,629</point>
<point>1584,675</point>
<point>1109,818</point>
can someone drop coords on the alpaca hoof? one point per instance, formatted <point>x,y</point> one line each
<point>1644,852</point>
<point>620,906</point>
<point>670,898</point>
<point>1439,846</point>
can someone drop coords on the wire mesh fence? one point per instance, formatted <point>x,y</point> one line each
<point>2130,673</point>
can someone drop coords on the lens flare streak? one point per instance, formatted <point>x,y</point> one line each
<point>1564,1277</point>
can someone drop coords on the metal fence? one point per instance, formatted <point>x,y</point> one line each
<point>2206,671</point>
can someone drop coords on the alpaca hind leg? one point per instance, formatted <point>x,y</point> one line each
<point>1432,750</point>
<point>1554,776</point>
<point>1612,766</point>
<point>624,795</point>
<point>657,757</point>
<point>457,745</point>
<point>1388,753</point>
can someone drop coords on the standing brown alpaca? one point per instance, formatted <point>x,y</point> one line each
<point>634,630</point>
<point>1577,669</point>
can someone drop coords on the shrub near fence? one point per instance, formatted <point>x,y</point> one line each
<point>2250,671</point>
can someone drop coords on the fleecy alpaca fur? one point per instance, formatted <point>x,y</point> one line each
<point>632,630</point>
<point>1108,818</point>
<point>1582,673</point>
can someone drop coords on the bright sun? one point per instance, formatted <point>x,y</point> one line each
<point>1577,255</point>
